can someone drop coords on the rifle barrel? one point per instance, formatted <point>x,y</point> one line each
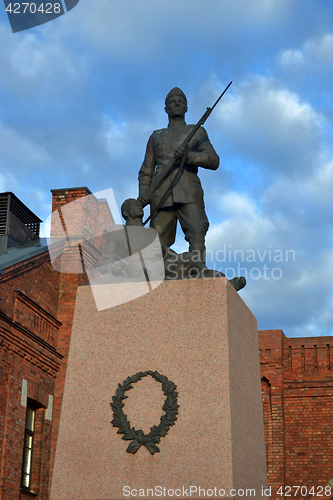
<point>224,91</point>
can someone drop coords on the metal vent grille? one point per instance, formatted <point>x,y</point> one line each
<point>3,214</point>
<point>10,203</point>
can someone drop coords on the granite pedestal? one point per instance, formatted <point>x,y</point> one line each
<point>199,334</point>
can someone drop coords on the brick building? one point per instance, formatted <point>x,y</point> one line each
<point>297,388</point>
<point>36,314</point>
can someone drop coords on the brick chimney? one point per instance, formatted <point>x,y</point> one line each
<point>63,196</point>
<point>87,218</point>
<point>78,217</point>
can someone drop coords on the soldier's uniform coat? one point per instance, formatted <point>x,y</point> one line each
<point>185,201</point>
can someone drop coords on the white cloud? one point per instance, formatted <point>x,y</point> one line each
<point>243,226</point>
<point>320,187</point>
<point>114,135</point>
<point>291,57</point>
<point>132,29</point>
<point>315,54</point>
<point>307,198</point>
<point>271,126</point>
<point>30,63</point>
<point>321,48</point>
<point>120,137</point>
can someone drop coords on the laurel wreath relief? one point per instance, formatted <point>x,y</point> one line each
<point>138,438</point>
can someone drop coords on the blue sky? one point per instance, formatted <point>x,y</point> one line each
<point>79,97</point>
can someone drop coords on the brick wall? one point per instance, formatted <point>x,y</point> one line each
<point>297,385</point>
<point>36,315</point>
<point>29,363</point>
<point>36,279</point>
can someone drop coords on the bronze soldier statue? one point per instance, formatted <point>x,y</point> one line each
<point>184,203</point>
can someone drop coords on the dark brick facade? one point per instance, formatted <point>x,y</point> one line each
<point>30,363</point>
<point>36,314</point>
<point>297,386</point>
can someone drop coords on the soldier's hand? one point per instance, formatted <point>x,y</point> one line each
<point>180,152</point>
<point>142,198</point>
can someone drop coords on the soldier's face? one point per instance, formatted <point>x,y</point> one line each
<point>176,106</point>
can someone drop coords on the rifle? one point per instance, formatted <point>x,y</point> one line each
<point>168,168</point>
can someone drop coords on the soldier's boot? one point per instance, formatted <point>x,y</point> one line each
<point>238,283</point>
<point>199,250</point>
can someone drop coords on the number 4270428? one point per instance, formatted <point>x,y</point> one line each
<point>303,491</point>
<point>31,8</point>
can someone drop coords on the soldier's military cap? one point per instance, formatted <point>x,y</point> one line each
<point>175,91</point>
